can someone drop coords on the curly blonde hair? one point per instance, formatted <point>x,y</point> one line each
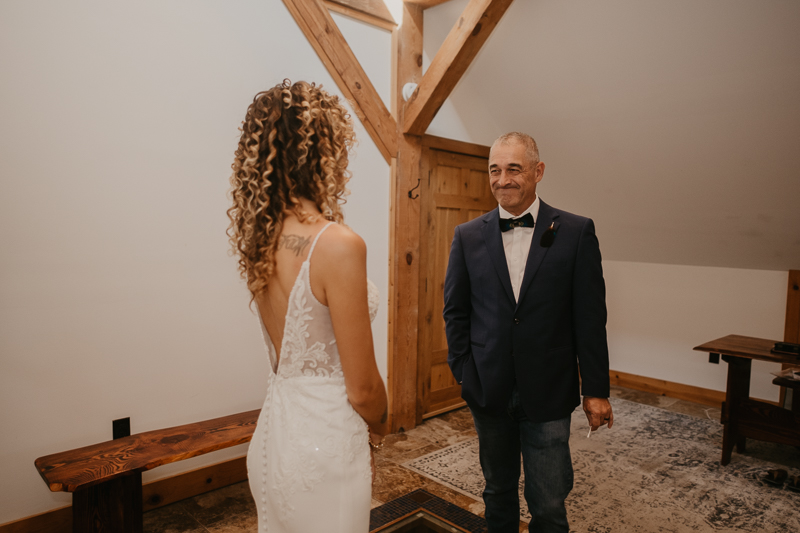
<point>294,144</point>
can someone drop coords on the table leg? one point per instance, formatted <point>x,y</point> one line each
<point>114,506</point>
<point>738,388</point>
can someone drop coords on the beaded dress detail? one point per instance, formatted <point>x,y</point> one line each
<point>308,462</point>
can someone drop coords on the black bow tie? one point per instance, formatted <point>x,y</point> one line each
<point>525,221</point>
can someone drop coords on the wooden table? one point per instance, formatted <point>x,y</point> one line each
<point>743,417</point>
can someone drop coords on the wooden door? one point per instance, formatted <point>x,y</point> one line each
<point>455,189</point>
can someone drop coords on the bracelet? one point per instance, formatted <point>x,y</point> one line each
<point>372,445</point>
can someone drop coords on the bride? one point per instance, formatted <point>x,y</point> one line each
<point>309,462</point>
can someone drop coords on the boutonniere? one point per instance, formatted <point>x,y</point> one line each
<point>549,236</point>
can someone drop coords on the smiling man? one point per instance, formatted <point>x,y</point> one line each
<point>525,318</point>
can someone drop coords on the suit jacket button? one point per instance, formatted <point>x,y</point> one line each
<point>516,320</point>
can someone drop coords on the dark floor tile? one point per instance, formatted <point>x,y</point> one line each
<point>393,481</point>
<point>460,419</point>
<point>401,444</point>
<point>441,433</point>
<point>221,507</point>
<point>401,457</point>
<point>171,519</point>
<point>243,523</point>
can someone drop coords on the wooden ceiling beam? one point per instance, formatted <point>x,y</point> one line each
<point>321,31</point>
<point>459,49</point>
<point>361,16</point>
<point>425,4</point>
<point>372,12</point>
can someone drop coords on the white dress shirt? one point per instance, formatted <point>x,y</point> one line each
<point>517,244</point>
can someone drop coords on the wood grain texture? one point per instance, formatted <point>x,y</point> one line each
<point>457,147</point>
<point>460,47</point>
<point>763,421</point>
<point>55,521</point>
<point>749,347</point>
<point>404,273</point>
<point>404,233</point>
<point>374,8</point>
<point>425,4</point>
<point>83,467</point>
<point>324,36</point>
<point>342,9</point>
<point>455,189</point>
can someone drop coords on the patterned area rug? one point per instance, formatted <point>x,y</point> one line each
<point>654,471</point>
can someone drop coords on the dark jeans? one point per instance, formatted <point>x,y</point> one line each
<point>548,469</point>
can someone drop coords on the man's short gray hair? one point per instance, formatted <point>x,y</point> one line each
<point>531,149</point>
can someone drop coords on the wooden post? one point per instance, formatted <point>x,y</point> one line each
<point>460,47</point>
<point>404,250</point>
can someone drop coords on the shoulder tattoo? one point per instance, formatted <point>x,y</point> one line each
<point>295,243</point>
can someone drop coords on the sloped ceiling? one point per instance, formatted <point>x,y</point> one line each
<point>674,125</point>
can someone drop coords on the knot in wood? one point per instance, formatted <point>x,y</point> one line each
<point>174,439</point>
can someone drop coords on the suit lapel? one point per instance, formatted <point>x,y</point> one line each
<point>547,215</point>
<point>494,242</point>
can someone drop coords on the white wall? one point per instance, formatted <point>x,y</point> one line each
<point>658,313</point>
<point>118,123</point>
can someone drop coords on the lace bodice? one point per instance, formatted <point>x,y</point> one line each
<point>307,318</point>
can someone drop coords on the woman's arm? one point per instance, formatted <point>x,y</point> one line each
<point>342,265</point>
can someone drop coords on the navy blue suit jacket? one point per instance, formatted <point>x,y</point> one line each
<point>543,342</point>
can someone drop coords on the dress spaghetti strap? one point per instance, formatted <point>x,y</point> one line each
<point>314,243</point>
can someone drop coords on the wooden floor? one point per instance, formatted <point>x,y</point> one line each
<point>231,509</point>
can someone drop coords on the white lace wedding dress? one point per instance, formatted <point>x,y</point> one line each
<point>308,463</point>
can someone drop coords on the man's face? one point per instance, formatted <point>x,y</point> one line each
<point>513,177</point>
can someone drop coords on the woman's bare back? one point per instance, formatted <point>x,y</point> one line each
<point>294,245</point>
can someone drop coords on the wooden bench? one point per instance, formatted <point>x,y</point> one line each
<point>105,479</point>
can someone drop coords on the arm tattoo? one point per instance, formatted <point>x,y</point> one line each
<point>295,243</point>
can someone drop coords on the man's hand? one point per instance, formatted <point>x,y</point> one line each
<point>598,412</point>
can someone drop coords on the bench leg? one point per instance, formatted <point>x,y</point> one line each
<point>111,507</point>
